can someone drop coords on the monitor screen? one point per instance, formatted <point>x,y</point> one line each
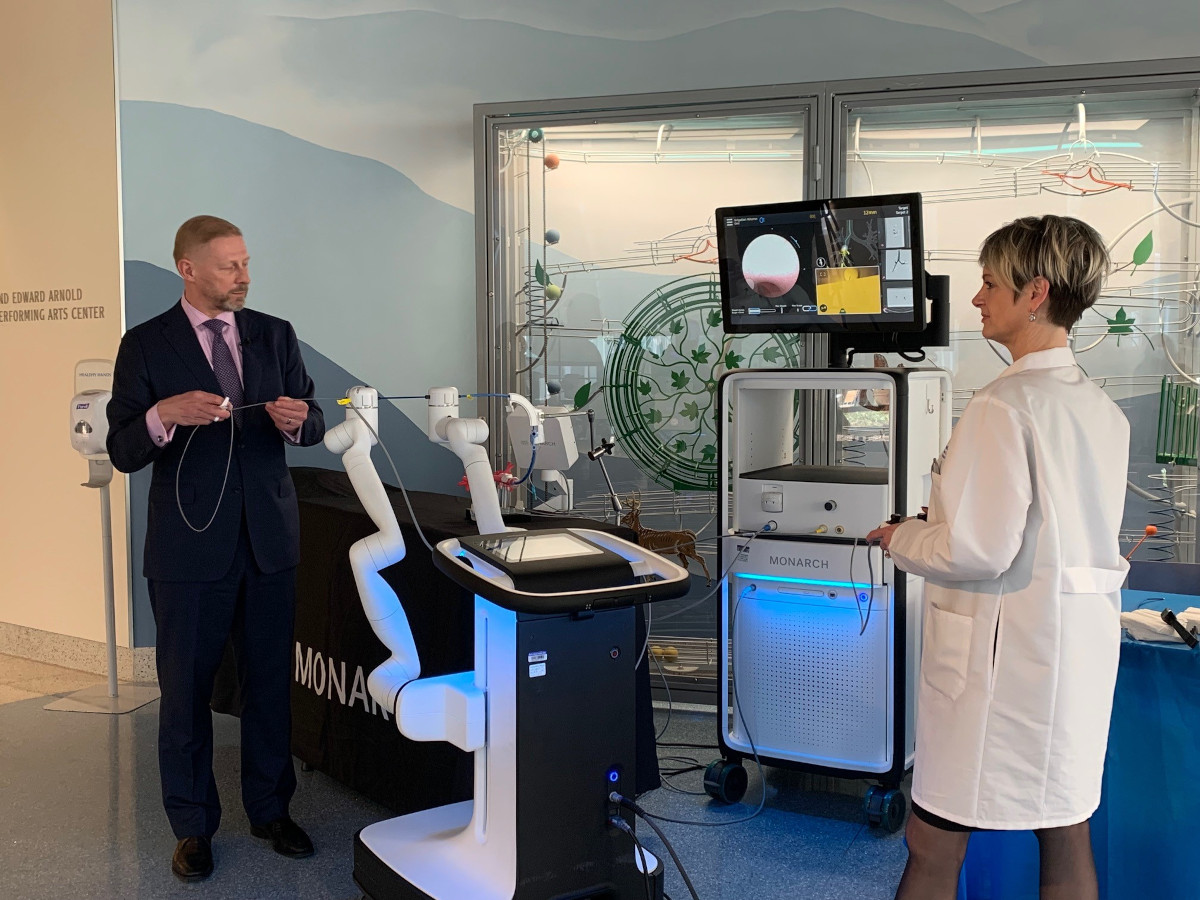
<point>850,264</point>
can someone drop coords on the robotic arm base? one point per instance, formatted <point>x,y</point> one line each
<point>448,708</point>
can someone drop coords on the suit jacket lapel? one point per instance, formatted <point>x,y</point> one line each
<point>251,339</point>
<point>182,337</point>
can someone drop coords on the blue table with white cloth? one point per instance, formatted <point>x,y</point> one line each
<point>1146,833</point>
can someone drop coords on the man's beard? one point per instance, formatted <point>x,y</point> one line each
<point>231,302</point>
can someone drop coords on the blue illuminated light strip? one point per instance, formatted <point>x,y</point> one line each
<point>841,584</point>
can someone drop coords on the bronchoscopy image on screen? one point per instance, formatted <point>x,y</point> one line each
<point>770,266</point>
<point>822,265</point>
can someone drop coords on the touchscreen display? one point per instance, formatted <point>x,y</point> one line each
<point>849,264</point>
<point>531,547</point>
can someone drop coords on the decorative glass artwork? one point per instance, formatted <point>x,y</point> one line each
<point>1123,161</point>
<point>599,287</point>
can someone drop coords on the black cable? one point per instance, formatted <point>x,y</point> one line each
<point>224,483</point>
<point>685,764</point>
<point>675,789</point>
<point>716,587</point>
<point>645,816</point>
<point>684,770</point>
<point>621,825</point>
<point>399,480</point>
<point>689,746</point>
<point>666,776</point>
<point>864,621</point>
<point>906,354</point>
<point>720,581</point>
<point>853,839</point>
<point>667,688</point>
<point>229,460</point>
<point>228,463</point>
<point>762,801</point>
<point>871,594</point>
<point>854,584</point>
<point>749,739</point>
<point>532,459</point>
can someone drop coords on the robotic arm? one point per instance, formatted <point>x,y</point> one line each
<point>465,437</point>
<point>354,439</point>
<point>449,707</point>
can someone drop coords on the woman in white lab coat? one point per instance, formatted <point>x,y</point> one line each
<point>1023,573</point>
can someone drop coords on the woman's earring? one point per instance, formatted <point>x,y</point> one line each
<point>1033,317</point>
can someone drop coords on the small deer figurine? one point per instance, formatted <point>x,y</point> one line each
<point>666,543</point>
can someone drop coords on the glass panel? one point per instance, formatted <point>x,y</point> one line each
<point>1126,164</point>
<point>607,277</point>
<point>605,286</point>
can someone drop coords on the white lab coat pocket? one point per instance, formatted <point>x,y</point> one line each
<point>1090,580</point>
<point>947,651</point>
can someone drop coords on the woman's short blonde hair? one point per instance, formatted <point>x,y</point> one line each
<point>1068,253</point>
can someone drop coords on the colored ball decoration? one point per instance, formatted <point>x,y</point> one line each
<point>553,291</point>
<point>535,135</point>
<point>553,387</point>
<point>551,161</point>
<point>552,236</point>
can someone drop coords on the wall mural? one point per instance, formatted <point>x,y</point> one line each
<point>338,135</point>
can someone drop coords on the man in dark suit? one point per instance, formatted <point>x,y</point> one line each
<point>222,530</point>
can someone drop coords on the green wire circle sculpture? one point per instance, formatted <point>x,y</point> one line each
<point>661,379</point>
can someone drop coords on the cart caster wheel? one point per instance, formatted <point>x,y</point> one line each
<point>894,809</point>
<point>870,804</point>
<point>725,781</point>
<point>885,808</point>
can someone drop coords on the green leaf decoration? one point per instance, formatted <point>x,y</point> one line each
<point>709,453</point>
<point>644,388</point>
<point>653,416</point>
<point>583,395</point>
<point>772,354</point>
<point>679,446</point>
<point>700,355</point>
<point>714,318</point>
<point>1120,325</point>
<point>732,360</point>
<point>680,379</point>
<point>691,410</point>
<point>1142,252</point>
<point>677,326</point>
<point>540,274</point>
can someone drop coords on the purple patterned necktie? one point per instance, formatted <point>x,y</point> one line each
<point>223,365</point>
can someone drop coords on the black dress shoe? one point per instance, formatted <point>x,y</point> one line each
<point>193,859</point>
<point>286,837</point>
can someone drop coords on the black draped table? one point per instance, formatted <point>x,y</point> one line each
<point>336,728</point>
